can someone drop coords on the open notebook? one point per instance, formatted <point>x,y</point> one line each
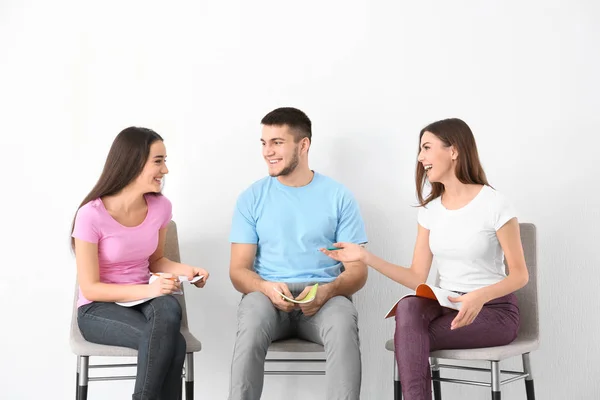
<point>430,292</point>
<point>153,277</point>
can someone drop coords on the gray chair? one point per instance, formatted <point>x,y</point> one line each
<point>84,349</point>
<point>295,346</point>
<point>527,339</point>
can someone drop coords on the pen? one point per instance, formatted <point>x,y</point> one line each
<point>172,279</point>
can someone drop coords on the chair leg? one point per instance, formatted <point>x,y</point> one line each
<point>397,385</point>
<point>82,381</point>
<point>435,374</point>
<point>529,380</point>
<point>495,380</point>
<point>77,379</point>
<point>189,376</point>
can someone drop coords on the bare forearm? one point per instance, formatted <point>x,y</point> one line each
<point>350,281</point>
<point>246,280</point>
<point>163,264</point>
<point>402,275</point>
<point>109,292</point>
<point>509,238</point>
<point>510,284</point>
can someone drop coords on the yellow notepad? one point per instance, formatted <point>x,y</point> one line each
<point>307,299</point>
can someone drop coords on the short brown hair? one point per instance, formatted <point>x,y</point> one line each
<point>299,124</point>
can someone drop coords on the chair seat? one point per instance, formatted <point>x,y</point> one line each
<point>295,345</point>
<point>82,347</point>
<point>519,346</point>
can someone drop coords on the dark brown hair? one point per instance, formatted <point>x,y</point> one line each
<point>125,161</point>
<point>452,132</point>
<point>298,122</point>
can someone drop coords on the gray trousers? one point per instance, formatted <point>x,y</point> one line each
<point>259,323</point>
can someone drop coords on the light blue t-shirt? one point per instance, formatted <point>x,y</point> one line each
<point>291,224</point>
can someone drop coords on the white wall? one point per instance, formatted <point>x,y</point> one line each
<point>370,74</point>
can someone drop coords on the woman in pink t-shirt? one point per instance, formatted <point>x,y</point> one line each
<point>118,236</point>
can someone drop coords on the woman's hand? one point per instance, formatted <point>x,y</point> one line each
<point>164,284</point>
<point>347,252</point>
<point>194,271</point>
<point>472,303</point>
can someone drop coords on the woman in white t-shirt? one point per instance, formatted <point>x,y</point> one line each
<point>466,228</point>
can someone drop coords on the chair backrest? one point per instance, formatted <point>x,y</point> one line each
<point>528,295</point>
<point>172,253</point>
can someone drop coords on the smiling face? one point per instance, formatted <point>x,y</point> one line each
<point>436,158</point>
<point>151,178</point>
<point>447,154</point>
<point>279,149</point>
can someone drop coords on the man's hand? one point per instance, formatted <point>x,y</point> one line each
<point>270,290</point>
<point>323,295</point>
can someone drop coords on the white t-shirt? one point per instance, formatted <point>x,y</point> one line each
<point>464,244</point>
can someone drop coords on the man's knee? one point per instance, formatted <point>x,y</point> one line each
<point>340,319</point>
<point>256,315</point>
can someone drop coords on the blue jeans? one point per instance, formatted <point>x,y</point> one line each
<point>152,328</point>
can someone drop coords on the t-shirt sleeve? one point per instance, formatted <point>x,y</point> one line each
<point>243,225</point>
<point>423,217</point>
<point>86,227</point>
<point>503,211</point>
<point>350,228</point>
<point>166,209</point>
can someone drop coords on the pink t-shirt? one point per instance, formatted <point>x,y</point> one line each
<point>123,252</point>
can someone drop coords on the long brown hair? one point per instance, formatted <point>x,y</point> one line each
<point>452,132</point>
<point>126,158</point>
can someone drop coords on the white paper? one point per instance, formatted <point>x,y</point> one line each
<point>182,278</point>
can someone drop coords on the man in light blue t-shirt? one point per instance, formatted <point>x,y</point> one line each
<point>279,225</point>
